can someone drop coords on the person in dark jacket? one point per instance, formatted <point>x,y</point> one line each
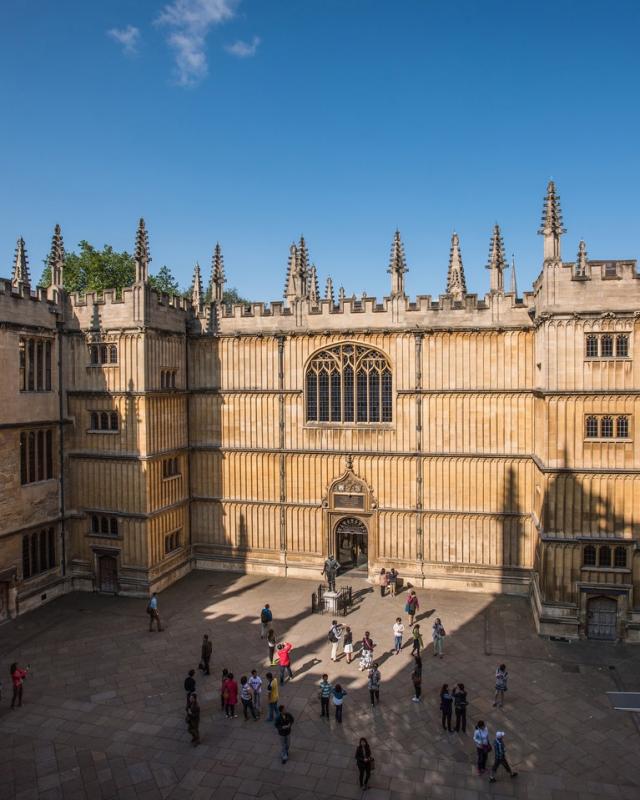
<point>193,718</point>
<point>446,706</point>
<point>460,704</point>
<point>205,654</point>
<point>284,724</point>
<point>190,685</point>
<point>500,754</point>
<point>364,760</point>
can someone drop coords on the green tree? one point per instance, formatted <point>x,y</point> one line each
<point>93,270</point>
<point>164,281</point>
<point>230,296</point>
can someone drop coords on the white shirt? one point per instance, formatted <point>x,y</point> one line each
<point>255,683</point>
<point>398,629</point>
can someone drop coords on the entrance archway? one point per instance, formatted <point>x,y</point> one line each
<point>352,543</point>
<point>602,617</point>
<point>108,574</point>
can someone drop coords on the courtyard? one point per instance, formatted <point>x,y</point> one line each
<point>103,713</point>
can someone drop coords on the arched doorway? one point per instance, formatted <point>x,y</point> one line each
<point>108,574</point>
<point>352,545</point>
<point>602,618</point>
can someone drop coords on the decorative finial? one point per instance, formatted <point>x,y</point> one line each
<point>497,262</point>
<point>514,283</point>
<point>290,280</point>
<point>141,254</point>
<point>349,460</point>
<point>551,226</point>
<point>20,266</point>
<point>397,265</point>
<point>328,293</point>
<point>217,274</point>
<point>341,294</point>
<point>456,283</point>
<point>314,286</point>
<point>196,289</point>
<point>582,263</point>
<point>55,261</point>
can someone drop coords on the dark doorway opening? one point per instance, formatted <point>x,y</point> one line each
<point>108,568</point>
<point>602,617</point>
<point>352,546</point>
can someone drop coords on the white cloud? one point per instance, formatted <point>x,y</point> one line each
<point>189,22</point>
<point>243,49</point>
<point>128,37</point>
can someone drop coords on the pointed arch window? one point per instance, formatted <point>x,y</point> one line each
<point>591,427</point>
<point>604,556</point>
<point>622,346</point>
<point>349,383</point>
<point>589,556</point>
<point>592,346</point>
<point>620,557</point>
<point>606,346</point>
<point>606,427</point>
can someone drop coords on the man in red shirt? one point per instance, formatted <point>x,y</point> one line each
<point>283,651</point>
<point>17,676</point>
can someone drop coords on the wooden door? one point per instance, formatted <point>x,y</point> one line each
<point>108,574</point>
<point>602,618</point>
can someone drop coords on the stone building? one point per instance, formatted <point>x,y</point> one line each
<point>474,443</point>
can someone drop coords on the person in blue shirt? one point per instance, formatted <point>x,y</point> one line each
<point>266,617</point>
<point>500,754</point>
<point>154,614</point>
<point>338,699</point>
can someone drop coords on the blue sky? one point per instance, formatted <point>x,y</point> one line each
<point>252,121</point>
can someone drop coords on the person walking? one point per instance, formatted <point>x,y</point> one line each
<point>383,580</point>
<point>273,695</point>
<point>190,685</point>
<point>500,758</point>
<point>338,695</point>
<point>502,676</point>
<point>366,653</point>
<point>393,582</point>
<point>154,613</point>
<point>373,684</point>
<point>271,644</point>
<point>347,644</point>
<point>325,693</point>
<point>283,651</point>
<point>284,723</point>
<point>437,634</point>
<point>223,699</point>
<point>335,634</point>
<point>483,747</point>
<point>416,679</point>
<point>398,631</point>
<point>364,760</point>
<point>17,679</point>
<point>205,654</point>
<point>255,682</point>
<point>460,704</point>
<point>231,696</point>
<point>193,719</point>
<point>411,605</point>
<point>266,618</point>
<point>417,645</point>
<point>330,571</point>
<point>246,697</point>
<point>446,706</point>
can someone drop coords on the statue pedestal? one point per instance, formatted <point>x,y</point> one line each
<point>330,600</point>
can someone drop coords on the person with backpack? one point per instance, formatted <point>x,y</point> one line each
<point>373,684</point>
<point>205,654</point>
<point>460,704</point>
<point>500,756</point>
<point>230,693</point>
<point>417,645</point>
<point>17,679</point>
<point>398,630</point>
<point>266,617</point>
<point>325,694</point>
<point>190,685</point>
<point>273,694</point>
<point>483,747</point>
<point>437,634</point>
<point>283,651</point>
<point>502,676</point>
<point>338,695</point>
<point>154,614</point>
<point>246,697</point>
<point>193,719</point>
<point>334,636</point>
<point>446,706</point>
<point>365,762</point>
<point>411,605</point>
<point>255,682</point>
<point>284,723</point>
<point>347,644</point>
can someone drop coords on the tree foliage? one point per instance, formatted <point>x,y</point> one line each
<point>164,281</point>
<point>93,270</point>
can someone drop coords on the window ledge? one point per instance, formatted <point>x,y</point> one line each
<point>37,483</point>
<point>108,536</point>
<point>172,477</point>
<point>607,358</point>
<point>93,430</point>
<point>349,426</point>
<point>36,391</point>
<point>617,570</point>
<point>101,366</point>
<point>608,440</point>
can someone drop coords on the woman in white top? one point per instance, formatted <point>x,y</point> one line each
<point>398,630</point>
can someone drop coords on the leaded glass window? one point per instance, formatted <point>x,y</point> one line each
<point>349,383</point>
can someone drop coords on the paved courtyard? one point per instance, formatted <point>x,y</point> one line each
<point>104,706</point>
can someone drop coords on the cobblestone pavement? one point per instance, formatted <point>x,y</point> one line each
<point>104,706</point>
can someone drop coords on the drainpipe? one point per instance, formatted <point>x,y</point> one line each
<point>63,544</point>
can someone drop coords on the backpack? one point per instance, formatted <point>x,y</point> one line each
<point>332,636</point>
<point>264,616</point>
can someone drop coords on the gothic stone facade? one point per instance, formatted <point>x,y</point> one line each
<point>475,444</point>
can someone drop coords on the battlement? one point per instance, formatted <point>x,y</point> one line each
<point>24,306</point>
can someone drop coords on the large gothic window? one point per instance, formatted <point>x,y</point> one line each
<point>349,383</point>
